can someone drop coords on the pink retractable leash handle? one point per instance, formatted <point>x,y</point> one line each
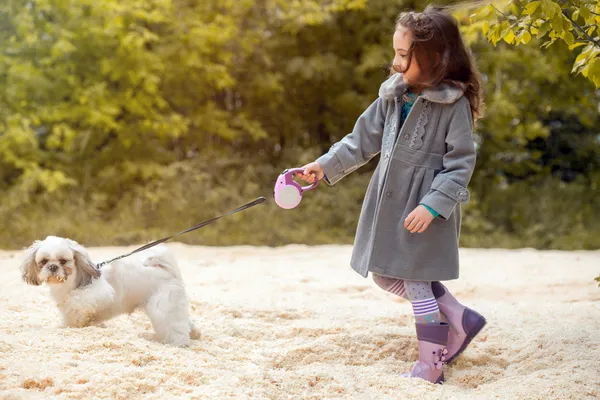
<point>287,192</point>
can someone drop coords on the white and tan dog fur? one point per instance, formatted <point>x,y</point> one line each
<point>86,296</point>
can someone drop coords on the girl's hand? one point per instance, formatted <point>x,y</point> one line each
<point>311,171</point>
<point>418,220</point>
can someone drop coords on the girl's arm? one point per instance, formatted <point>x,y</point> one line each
<point>358,147</point>
<point>450,185</point>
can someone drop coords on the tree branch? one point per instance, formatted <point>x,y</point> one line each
<point>521,4</point>
<point>498,11</point>
<point>576,25</point>
<point>591,12</point>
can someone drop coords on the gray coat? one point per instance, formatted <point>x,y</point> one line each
<point>428,160</point>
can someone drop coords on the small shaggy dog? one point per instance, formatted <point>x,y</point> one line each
<point>85,296</point>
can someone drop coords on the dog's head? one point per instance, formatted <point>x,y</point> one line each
<point>56,261</point>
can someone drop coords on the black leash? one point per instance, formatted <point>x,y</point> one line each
<point>193,228</point>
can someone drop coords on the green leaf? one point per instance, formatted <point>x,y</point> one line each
<point>585,70</point>
<point>484,13</point>
<point>485,27</point>
<point>504,28</point>
<point>543,29</point>
<point>557,23</point>
<point>531,8</point>
<point>594,72</point>
<point>576,68</point>
<point>494,35</point>
<point>557,9</point>
<point>548,8</point>
<point>509,36</point>
<point>576,45</point>
<point>490,12</point>
<point>585,13</point>
<point>568,38</point>
<point>514,9</point>
<point>575,15</point>
<point>526,37</point>
<point>591,30</point>
<point>585,53</point>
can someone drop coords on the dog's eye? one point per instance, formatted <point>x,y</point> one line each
<point>63,262</point>
<point>43,262</point>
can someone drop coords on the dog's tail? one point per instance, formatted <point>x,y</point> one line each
<point>161,257</point>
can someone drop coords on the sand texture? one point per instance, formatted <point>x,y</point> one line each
<point>297,323</point>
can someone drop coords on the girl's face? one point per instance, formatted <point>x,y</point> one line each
<point>402,45</point>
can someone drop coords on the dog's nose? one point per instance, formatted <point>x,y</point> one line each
<point>53,267</point>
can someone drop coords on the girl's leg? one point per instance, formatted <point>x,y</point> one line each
<point>425,306</point>
<point>420,295</point>
<point>392,285</point>
<point>432,335</point>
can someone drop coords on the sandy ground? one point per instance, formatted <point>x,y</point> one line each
<point>298,323</point>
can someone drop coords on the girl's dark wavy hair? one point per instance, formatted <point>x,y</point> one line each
<point>441,53</point>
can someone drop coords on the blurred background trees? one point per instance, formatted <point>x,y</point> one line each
<point>124,121</point>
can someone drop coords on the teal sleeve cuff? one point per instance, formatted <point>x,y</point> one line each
<point>431,210</point>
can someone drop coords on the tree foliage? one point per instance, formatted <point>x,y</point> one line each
<point>104,93</point>
<point>145,116</point>
<point>574,22</point>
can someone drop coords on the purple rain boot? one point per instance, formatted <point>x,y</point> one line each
<point>432,352</point>
<point>465,323</point>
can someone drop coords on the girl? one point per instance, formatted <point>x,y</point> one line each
<point>409,226</point>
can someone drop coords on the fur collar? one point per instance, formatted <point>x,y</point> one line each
<point>445,93</point>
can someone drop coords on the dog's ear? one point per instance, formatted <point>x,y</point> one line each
<point>29,269</point>
<point>86,269</point>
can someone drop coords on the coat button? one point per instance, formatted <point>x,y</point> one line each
<point>406,136</point>
<point>389,194</point>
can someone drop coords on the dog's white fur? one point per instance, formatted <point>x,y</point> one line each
<point>85,296</point>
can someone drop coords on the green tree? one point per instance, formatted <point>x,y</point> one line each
<point>575,22</point>
<point>105,94</point>
<point>139,117</point>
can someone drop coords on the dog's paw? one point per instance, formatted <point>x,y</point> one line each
<point>179,342</point>
<point>84,320</point>
<point>83,316</point>
<point>195,332</point>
